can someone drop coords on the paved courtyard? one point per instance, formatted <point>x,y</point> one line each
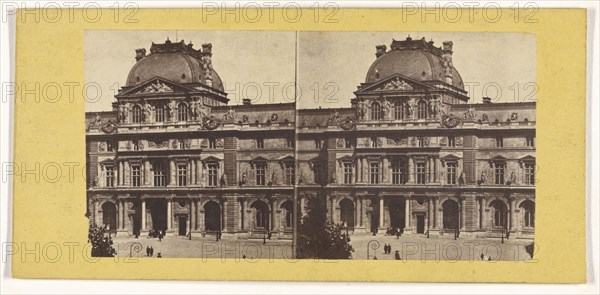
<point>206,248</point>
<point>419,247</point>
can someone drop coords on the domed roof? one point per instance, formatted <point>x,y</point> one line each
<point>418,60</point>
<point>175,65</point>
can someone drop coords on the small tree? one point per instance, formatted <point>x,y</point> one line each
<point>318,238</point>
<point>102,246</point>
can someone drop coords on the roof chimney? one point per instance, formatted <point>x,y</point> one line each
<point>246,101</point>
<point>140,53</point>
<point>381,50</point>
<point>487,100</point>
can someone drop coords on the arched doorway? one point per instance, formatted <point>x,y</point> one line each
<point>212,216</point>
<point>500,214</point>
<point>347,213</point>
<point>109,216</point>
<point>287,208</point>
<point>158,215</point>
<point>396,208</point>
<point>450,215</point>
<point>261,215</point>
<point>528,213</point>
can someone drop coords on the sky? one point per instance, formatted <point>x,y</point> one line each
<point>261,65</point>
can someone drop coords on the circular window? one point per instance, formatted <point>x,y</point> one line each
<point>181,203</point>
<point>420,201</point>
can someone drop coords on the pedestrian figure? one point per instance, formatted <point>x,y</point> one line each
<point>158,256</point>
<point>397,255</point>
<point>385,249</point>
<point>374,257</point>
<point>147,250</point>
<point>151,251</point>
<point>482,256</point>
<point>397,234</point>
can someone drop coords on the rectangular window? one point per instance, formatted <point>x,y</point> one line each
<point>136,145</point>
<point>347,172</point>
<point>159,113</point>
<point>136,175</point>
<point>261,173</point>
<point>289,173</point>
<point>451,171</point>
<point>399,175</point>
<point>182,175</point>
<point>213,172</point>
<point>160,174</point>
<point>420,142</point>
<point>181,143</point>
<point>260,143</point>
<point>110,176</point>
<point>421,173</point>
<point>530,141</point>
<point>499,141</point>
<point>109,146</point>
<point>499,168</point>
<point>348,142</point>
<point>451,141</point>
<point>530,173</point>
<point>374,142</point>
<point>212,143</point>
<point>374,172</point>
<point>317,172</point>
<point>290,143</point>
<point>318,144</point>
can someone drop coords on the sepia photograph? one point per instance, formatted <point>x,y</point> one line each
<point>420,146</point>
<point>177,165</point>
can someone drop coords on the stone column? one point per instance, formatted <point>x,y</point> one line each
<point>192,171</point>
<point>356,171</point>
<point>127,174</point>
<point>407,214</point>
<point>385,170</point>
<point>118,215</point>
<point>247,212</point>
<point>411,170</point>
<point>143,214</point>
<point>172,173</point>
<point>95,214</point>
<point>381,213</point>
<point>462,214</point>
<point>148,173</point>
<point>358,220</point>
<point>429,214</point>
<point>119,173</point>
<point>201,226</point>
<point>169,215</point>
<point>513,214</point>
<point>438,214</point>
<point>302,206</point>
<point>428,169</point>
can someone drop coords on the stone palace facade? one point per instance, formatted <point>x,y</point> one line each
<point>173,157</point>
<point>411,153</point>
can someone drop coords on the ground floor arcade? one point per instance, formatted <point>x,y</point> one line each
<point>467,214</point>
<point>231,216</point>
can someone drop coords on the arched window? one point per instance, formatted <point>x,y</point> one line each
<point>159,114</point>
<point>500,213</point>
<point>399,111</point>
<point>528,209</point>
<point>422,110</point>
<point>376,111</point>
<point>136,114</point>
<point>182,112</point>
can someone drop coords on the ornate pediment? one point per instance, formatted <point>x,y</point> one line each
<point>395,84</point>
<point>156,87</point>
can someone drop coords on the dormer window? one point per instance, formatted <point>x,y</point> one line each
<point>136,114</point>
<point>182,112</point>
<point>376,113</point>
